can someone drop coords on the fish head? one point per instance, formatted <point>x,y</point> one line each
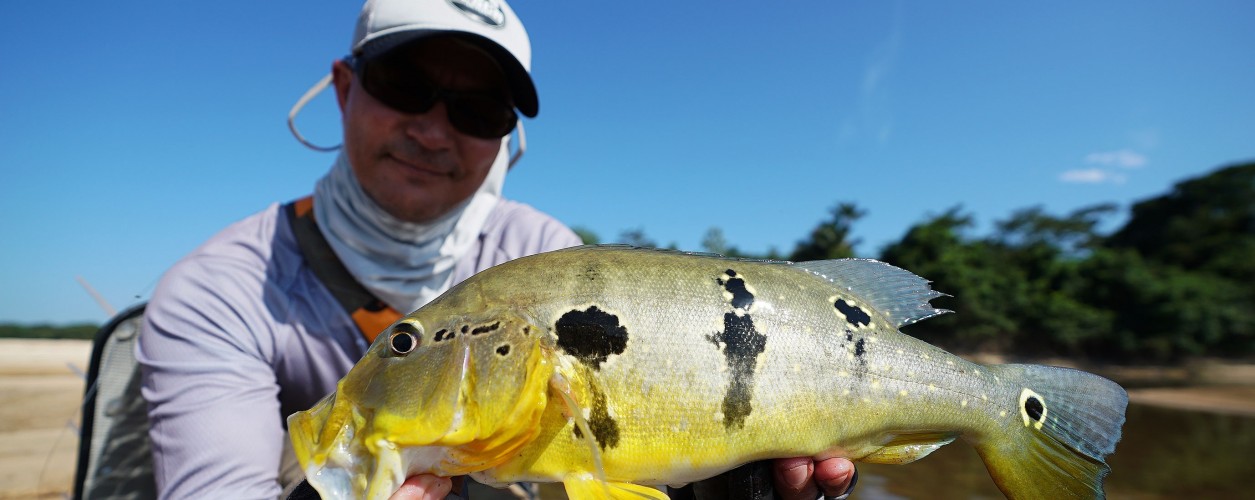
<point>438,392</point>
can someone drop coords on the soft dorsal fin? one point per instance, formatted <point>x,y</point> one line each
<point>896,292</point>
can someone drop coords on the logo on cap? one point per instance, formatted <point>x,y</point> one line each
<point>485,11</point>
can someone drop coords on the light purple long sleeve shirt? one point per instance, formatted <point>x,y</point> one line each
<point>240,334</point>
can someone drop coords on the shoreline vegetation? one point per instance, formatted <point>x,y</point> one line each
<point>41,386</point>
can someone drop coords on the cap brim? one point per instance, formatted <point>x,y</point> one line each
<point>522,90</point>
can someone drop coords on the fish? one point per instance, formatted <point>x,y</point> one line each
<point>618,370</point>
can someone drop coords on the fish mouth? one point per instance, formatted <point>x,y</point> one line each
<point>349,451</point>
<point>335,463</point>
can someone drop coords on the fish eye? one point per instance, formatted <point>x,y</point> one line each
<point>404,338</point>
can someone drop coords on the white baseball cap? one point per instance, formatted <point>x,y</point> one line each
<point>490,24</point>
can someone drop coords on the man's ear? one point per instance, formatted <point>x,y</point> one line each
<point>342,79</point>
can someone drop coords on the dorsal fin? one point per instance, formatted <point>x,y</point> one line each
<point>896,292</point>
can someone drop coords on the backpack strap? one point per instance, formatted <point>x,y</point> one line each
<point>371,314</point>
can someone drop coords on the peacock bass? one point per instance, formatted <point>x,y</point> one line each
<point>608,367</point>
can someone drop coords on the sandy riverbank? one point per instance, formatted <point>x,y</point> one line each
<point>40,392</point>
<point>39,414</point>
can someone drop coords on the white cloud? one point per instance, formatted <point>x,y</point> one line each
<point>1123,158</point>
<point>872,117</point>
<point>885,55</point>
<point>1092,176</point>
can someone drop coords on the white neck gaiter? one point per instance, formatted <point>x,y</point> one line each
<point>404,264</point>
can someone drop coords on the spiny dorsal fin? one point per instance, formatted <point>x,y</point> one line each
<point>896,292</point>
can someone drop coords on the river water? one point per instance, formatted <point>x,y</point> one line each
<point>1163,454</point>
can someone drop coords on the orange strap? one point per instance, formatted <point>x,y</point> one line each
<point>371,314</point>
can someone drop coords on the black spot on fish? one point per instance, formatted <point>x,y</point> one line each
<point>443,334</point>
<point>504,349</point>
<point>465,328</point>
<point>605,429</point>
<point>853,314</point>
<point>486,329</point>
<point>859,349</point>
<point>1034,408</point>
<point>591,335</point>
<point>741,296</point>
<point>590,273</point>
<point>527,330</point>
<point>741,344</point>
<point>849,335</point>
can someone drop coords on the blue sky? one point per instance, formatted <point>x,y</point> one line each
<point>132,131</point>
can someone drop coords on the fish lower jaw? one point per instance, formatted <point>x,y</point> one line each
<point>375,475</point>
<point>425,460</point>
<point>332,482</point>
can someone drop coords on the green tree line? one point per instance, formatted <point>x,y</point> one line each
<point>1177,280</point>
<point>48,331</point>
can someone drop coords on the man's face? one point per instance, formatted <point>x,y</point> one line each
<point>419,166</point>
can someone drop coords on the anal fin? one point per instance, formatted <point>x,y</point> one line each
<point>907,448</point>
<point>586,487</point>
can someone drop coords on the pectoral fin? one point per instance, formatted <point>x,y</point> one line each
<point>561,386</point>
<point>586,487</point>
<point>907,448</point>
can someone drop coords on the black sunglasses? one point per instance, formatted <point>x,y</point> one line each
<point>403,88</point>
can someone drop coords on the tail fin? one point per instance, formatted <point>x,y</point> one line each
<point>1071,421</point>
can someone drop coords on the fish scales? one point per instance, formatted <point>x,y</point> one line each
<point>682,366</point>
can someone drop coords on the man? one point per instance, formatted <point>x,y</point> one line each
<point>255,325</point>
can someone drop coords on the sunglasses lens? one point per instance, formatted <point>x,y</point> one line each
<point>400,90</point>
<point>481,116</point>
<point>400,87</point>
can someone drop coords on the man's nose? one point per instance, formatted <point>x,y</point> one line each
<point>432,128</point>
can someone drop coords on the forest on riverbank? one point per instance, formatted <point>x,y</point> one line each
<point>1175,281</point>
<point>48,331</point>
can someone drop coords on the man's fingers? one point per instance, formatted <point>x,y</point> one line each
<point>834,476</point>
<point>805,479</point>
<point>423,487</point>
<point>793,478</point>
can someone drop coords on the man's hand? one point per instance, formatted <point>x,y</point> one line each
<point>805,479</point>
<point>424,487</point>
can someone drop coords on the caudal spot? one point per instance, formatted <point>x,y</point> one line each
<point>853,314</point>
<point>1032,408</point>
<point>591,335</point>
